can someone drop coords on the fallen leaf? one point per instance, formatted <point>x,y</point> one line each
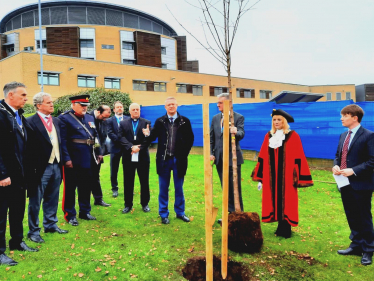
<point>80,275</point>
<point>72,246</point>
<point>98,269</point>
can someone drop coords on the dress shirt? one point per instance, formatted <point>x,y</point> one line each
<point>354,131</point>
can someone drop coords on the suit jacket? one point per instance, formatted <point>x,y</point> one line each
<point>126,135</point>
<point>42,147</point>
<point>216,138</point>
<point>360,158</point>
<point>113,130</point>
<point>101,128</point>
<point>13,147</point>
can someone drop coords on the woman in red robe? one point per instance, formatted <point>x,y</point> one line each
<point>281,168</point>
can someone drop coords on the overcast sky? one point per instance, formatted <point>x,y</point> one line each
<point>311,42</point>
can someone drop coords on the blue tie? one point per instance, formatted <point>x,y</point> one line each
<point>171,120</point>
<point>18,118</point>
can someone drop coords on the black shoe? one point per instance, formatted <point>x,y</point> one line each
<point>87,217</point>
<point>73,222</point>
<point>35,238</point>
<point>183,218</point>
<point>58,230</point>
<point>115,194</point>
<point>146,209</point>
<point>350,252</point>
<point>165,220</point>
<point>366,258</point>
<point>126,210</point>
<point>23,247</point>
<point>101,203</point>
<point>4,259</point>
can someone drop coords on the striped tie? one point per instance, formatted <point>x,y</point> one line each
<point>343,162</point>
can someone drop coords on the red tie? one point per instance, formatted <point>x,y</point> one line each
<point>343,162</point>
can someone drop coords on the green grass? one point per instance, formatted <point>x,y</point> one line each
<point>138,246</point>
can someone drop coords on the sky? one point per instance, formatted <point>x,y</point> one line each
<point>318,42</point>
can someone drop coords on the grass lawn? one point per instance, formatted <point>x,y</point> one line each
<point>138,246</point>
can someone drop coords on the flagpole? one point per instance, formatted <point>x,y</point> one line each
<point>41,46</point>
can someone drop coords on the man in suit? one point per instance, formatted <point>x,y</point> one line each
<point>355,159</point>
<point>81,154</point>
<point>115,144</point>
<point>135,157</point>
<point>46,184</point>
<point>14,130</point>
<point>175,139</point>
<point>216,148</point>
<point>101,114</point>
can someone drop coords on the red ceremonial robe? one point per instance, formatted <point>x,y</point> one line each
<point>281,171</point>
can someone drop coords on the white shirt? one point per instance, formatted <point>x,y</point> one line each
<point>354,131</point>
<point>276,140</point>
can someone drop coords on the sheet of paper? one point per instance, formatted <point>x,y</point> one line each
<point>341,180</point>
<point>135,157</point>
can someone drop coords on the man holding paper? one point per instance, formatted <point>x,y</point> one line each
<point>355,160</point>
<point>135,157</point>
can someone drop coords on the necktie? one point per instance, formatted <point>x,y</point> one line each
<point>171,120</point>
<point>343,162</point>
<point>18,118</point>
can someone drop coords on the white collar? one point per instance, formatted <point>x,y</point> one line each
<point>11,107</point>
<point>43,115</point>
<point>174,116</point>
<point>276,140</point>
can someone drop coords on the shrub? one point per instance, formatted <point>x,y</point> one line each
<point>29,109</point>
<point>98,96</point>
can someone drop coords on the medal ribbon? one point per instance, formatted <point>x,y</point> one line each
<point>47,124</point>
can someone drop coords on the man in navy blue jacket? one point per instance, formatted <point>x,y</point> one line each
<point>355,159</point>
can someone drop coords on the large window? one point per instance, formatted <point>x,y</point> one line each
<point>86,81</point>
<point>348,96</point>
<point>87,43</point>
<point>127,46</point>
<point>245,93</point>
<point>112,83</point>
<point>196,90</point>
<point>139,85</point>
<point>52,79</point>
<point>328,96</point>
<point>215,91</point>
<point>338,96</point>
<point>159,87</point>
<point>264,94</point>
<point>181,88</point>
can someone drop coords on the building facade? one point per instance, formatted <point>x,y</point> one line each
<point>91,44</point>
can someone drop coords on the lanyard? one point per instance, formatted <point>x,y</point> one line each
<point>135,127</point>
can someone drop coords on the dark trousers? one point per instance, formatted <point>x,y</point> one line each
<point>357,207</point>
<point>164,183</point>
<point>83,180</point>
<point>231,186</point>
<point>129,169</point>
<point>48,191</point>
<point>12,199</point>
<point>97,192</point>
<point>115,158</point>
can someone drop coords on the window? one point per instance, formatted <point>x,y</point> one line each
<point>181,88</point>
<point>44,44</point>
<point>9,49</point>
<point>127,46</point>
<point>164,65</point>
<point>328,96</point>
<point>264,94</point>
<point>108,47</point>
<point>215,91</point>
<point>348,95</point>
<point>87,43</point>
<point>197,90</point>
<point>132,62</point>
<point>338,96</point>
<point>139,85</point>
<point>86,81</point>
<point>112,83</point>
<point>31,48</point>
<point>245,93</point>
<point>52,79</point>
<point>163,50</point>
<point>159,87</point>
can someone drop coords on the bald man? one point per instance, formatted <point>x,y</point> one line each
<point>135,157</point>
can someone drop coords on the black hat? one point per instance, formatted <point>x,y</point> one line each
<point>283,113</point>
<point>82,99</point>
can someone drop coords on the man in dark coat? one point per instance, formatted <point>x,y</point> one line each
<point>175,139</point>
<point>101,114</point>
<point>135,157</point>
<point>216,148</point>
<point>14,130</point>
<point>47,154</point>
<point>355,159</point>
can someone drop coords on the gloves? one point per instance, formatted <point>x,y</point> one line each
<point>259,186</point>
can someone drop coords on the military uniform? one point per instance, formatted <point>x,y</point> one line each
<point>78,146</point>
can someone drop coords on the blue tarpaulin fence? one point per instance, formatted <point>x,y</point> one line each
<point>317,123</point>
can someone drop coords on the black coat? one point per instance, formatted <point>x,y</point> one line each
<point>13,163</point>
<point>101,128</point>
<point>183,144</point>
<point>126,135</point>
<point>42,148</point>
<point>113,129</point>
<point>360,158</point>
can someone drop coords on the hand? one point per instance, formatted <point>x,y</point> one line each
<point>69,164</point>
<point>100,158</point>
<point>5,182</point>
<point>347,172</point>
<point>212,158</point>
<point>336,170</point>
<point>146,131</point>
<point>135,149</point>
<point>233,130</point>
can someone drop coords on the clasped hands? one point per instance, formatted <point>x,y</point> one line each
<point>135,148</point>
<point>344,172</point>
